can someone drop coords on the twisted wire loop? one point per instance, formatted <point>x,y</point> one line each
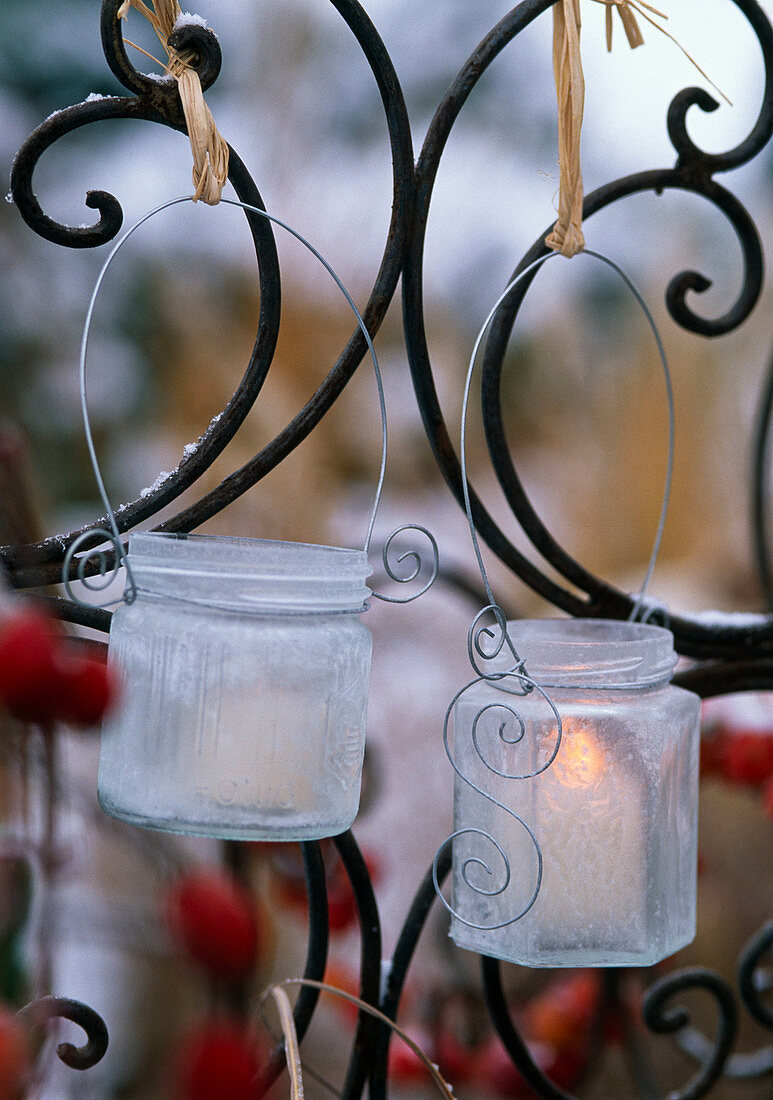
<point>519,735</point>
<point>477,648</point>
<point>98,568</point>
<point>122,557</point>
<point>416,564</point>
<point>466,872</point>
<point>664,1020</point>
<point>40,1012</point>
<point>585,594</point>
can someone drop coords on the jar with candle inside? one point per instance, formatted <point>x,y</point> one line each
<point>612,808</point>
<point>244,672</point>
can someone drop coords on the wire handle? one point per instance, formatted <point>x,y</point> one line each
<point>113,535</point>
<point>640,599</point>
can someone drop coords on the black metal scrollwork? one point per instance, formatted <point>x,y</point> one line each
<point>693,173</point>
<point>754,982</point>
<point>665,1020</point>
<point>39,1013</point>
<point>316,959</point>
<point>733,656</point>
<point>158,101</point>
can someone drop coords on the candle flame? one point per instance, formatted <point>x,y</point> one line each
<point>580,761</point>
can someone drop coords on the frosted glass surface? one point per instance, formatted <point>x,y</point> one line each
<point>244,725</point>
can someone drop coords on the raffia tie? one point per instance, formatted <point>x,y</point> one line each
<point>210,151</point>
<point>567,236</point>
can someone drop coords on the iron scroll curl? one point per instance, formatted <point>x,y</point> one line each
<point>40,1012</point>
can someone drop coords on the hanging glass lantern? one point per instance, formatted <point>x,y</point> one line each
<point>244,669</point>
<point>576,842</point>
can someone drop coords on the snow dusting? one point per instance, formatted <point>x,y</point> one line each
<point>732,618</point>
<point>185,19</point>
<point>162,477</point>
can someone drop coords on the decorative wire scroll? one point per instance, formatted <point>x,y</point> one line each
<point>522,683</point>
<point>106,568</point>
<point>99,557</point>
<point>475,861</point>
<point>416,560</point>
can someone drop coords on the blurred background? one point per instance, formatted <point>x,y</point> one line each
<point>586,418</point>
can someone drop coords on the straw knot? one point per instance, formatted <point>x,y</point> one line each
<point>210,150</point>
<point>567,236</point>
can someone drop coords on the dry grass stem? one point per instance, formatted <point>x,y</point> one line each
<point>443,1086</point>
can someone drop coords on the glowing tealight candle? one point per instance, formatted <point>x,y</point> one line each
<point>591,830</point>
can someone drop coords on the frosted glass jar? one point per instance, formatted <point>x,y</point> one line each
<point>614,814</point>
<point>244,672</point>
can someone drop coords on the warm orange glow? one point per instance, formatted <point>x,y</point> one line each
<point>580,761</point>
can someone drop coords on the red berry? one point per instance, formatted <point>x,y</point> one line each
<point>15,1056</point>
<point>767,797</point>
<point>713,748</point>
<point>216,1061</point>
<point>494,1069</point>
<point>549,1022</point>
<point>562,1013</point>
<point>404,1065</point>
<point>748,757</point>
<point>215,921</point>
<point>29,666</point>
<point>341,903</point>
<point>88,690</point>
